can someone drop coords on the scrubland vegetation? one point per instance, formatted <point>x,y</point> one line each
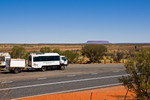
<point>135,57</point>
<point>78,53</point>
<point>138,81</point>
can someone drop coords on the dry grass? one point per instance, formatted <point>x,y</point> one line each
<point>63,47</point>
<point>36,47</point>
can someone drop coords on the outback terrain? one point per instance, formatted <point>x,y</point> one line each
<point>63,47</point>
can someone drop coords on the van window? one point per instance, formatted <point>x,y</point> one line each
<point>46,58</point>
<point>63,58</point>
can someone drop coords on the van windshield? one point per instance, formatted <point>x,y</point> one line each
<point>63,58</point>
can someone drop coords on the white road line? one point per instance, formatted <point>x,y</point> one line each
<point>62,82</point>
<point>74,90</point>
<point>71,75</point>
<point>94,73</point>
<point>6,82</point>
<point>42,78</point>
<point>118,70</point>
<point>115,71</point>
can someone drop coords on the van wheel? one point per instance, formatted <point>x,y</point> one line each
<point>17,70</point>
<point>62,67</point>
<point>43,69</point>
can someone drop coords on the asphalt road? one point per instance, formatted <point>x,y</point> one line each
<point>74,80</point>
<point>77,69</point>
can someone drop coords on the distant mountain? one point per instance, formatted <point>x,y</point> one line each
<point>131,43</point>
<point>97,42</point>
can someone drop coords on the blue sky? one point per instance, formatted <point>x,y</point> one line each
<point>74,21</point>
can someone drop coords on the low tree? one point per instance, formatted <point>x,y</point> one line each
<point>45,50</point>
<point>138,80</point>
<point>18,52</point>
<point>57,51</point>
<point>27,53</point>
<point>94,52</point>
<point>72,56</point>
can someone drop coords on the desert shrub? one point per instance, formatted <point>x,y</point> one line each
<point>138,80</point>
<point>45,50</point>
<point>18,52</point>
<point>27,53</point>
<point>131,52</point>
<point>119,56</point>
<point>94,52</point>
<point>72,56</point>
<point>82,60</point>
<point>57,51</point>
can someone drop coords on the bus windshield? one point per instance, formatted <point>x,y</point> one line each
<point>63,58</point>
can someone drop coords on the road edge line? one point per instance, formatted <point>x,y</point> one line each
<point>74,90</point>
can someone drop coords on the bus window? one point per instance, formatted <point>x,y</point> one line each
<point>46,58</point>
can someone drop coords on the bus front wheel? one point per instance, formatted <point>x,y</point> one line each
<point>62,67</point>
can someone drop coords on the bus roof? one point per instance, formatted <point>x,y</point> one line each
<point>44,54</point>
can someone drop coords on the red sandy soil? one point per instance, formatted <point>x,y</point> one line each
<point>109,93</point>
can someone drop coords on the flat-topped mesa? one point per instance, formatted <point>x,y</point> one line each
<point>97,42</point>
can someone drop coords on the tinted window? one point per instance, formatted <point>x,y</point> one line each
<point>46,58</point>
<point>63,58</point>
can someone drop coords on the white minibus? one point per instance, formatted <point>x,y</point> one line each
<point>44,60</point>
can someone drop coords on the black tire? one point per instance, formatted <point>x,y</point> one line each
<point>43,69</point>
<point>17,70</point>
<point>62,67</point>
<point>11,71</point>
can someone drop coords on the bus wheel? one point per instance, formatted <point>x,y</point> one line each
<point>62,67</point>
<point>43,69</point>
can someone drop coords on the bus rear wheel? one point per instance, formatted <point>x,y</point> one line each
<point>43,69</point>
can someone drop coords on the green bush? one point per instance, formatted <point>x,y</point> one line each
<point>94,52</point>
<point>45,50</point>
<point>18,52</point>
<point>57,51</point>
<point>27,53</point>
<point>138,81</point>
<point>118,56</point>
<point>72,56</point>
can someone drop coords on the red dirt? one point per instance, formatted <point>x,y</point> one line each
<point>109,93</point>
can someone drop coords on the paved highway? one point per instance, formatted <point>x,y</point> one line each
<point>78,69</point>
<point>59,84</point>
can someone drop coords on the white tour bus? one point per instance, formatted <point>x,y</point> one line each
<point>3,58</point>
<point>45,60</point>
